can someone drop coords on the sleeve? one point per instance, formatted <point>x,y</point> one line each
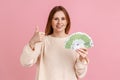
<point>28,56</point>
<point>80,68</point>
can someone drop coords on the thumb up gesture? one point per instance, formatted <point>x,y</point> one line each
<point>37,37</point>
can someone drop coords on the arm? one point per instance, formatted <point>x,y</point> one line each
<point>29,56</point>
<point>81,62</point>
<point>80,68</point>
<point>32,50</point>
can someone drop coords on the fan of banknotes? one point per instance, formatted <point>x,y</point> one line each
<point>78,40</point>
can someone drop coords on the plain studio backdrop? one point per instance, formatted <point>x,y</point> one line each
<point>98,18</point>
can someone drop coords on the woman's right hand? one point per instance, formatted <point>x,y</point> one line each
<point>37,37</point>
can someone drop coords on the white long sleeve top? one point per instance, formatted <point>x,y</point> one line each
<point>53,61</point>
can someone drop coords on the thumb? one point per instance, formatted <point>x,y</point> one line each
<point>37,29</point>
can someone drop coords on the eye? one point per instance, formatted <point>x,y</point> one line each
<point>63,18</point>
<point>55,18</point>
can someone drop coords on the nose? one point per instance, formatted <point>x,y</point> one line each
<point>59,21</point>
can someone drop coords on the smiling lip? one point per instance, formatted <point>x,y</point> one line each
<point>59,26</point>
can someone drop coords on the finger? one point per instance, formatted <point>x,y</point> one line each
<point>79,52</point>
<point>87,59</point>
<point>83,55</point>
<point>41,33</point>
<point>37,41</point>
<point>82,51</point>
<point>36,29</point>
<point>41,38</point>
<point>85,49</point>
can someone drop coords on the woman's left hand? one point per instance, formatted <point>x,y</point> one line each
<point>83,52</point>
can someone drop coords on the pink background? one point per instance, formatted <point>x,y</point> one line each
<point>99,18</point>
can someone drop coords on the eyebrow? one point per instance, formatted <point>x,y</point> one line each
<point>61,17</point>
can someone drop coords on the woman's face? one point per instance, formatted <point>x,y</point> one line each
<point>59,22</point>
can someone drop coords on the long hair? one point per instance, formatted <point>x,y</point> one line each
<point>49,29</point>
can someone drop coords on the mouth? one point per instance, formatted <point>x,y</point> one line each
<point>59,26</point>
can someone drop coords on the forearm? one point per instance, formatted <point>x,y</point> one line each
<point>80,68</point>
<point>29,56</point>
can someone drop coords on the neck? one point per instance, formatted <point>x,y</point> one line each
<point>59,34</point>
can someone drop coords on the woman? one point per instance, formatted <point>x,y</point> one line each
<point>47,51</point>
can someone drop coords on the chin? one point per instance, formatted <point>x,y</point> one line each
<point>60,30</point>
